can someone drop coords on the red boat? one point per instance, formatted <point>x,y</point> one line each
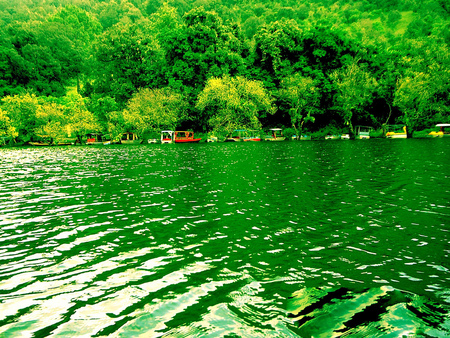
<point>185,137</point>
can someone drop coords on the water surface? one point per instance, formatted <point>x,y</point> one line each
<point>321,238</point>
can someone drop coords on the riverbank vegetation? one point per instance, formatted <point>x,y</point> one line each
<point>68,68</point>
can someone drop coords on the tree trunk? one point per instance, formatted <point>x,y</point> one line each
<point>409,131</point>
<point>296,132</point>
<point>387,120</point>
<point>351,132</point>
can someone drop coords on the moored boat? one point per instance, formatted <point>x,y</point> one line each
<point>39,143</point>
<point>276,135</point>
<point>444,130</point>
<point>251,136</point>
<point>362,132</point>
<point>167,136</point>
<point>212,139</point>
<point>95,139</point>
<point>396,131</point>
<point>185,137</point>
<point>302,137</point>
<point>130,138</point>
<point>236,136</point>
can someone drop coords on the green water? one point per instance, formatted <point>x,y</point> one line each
<point>321,238</point>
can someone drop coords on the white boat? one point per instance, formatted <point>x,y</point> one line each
<point>167,136</point>
<point>362,132</point>
<point>276,135</point>
<point>444,130</point>
<point>212,139</point>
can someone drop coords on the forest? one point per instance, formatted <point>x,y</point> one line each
<point>68,68</point>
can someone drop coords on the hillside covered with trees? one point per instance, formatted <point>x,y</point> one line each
<point>68,68</point>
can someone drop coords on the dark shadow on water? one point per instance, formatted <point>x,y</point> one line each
<point>374,312</point>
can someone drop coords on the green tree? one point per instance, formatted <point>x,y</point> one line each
<point>234,103</point>
<point>82,29</point>
<point>152,110</point>
<point>116,125</point>
<point>355,88</point>
<point>80,121</point>
<point>418,99</point>
<point>202,48</point>
<point>101,106</point>
<point>51,122</point>
<point>422,92</point>
<point>129,58</point>
<point>303,97</point>
<point>21,110</point>
<point>7,130</point>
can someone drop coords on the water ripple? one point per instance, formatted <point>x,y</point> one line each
<point>214,239</point>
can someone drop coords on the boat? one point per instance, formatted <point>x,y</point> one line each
<point>95,139</point>
<point>444,130</point>
<point>39,143</point>
<point>167,136</point>
<point>43,143</point>
<point>185,137</point>
<point>302,137</point>
<point>396,131</point>
<point>362,132</point>
<point>236,136</point>
<point>251,136</point>
<point>212,139</point>
<point>130,138</point>
<point>276,135</point>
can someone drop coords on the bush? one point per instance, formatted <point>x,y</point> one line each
<point>376,133</point>
<point>288,133</point>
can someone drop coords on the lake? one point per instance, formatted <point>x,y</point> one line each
<point>283,239</point>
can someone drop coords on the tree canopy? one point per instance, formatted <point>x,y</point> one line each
<point>197,65</point>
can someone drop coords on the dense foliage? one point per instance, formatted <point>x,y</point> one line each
<point>72,67</point>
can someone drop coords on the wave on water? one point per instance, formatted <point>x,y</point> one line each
<point>374,312</point>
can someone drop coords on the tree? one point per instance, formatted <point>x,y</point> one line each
<point>7,130</point>
<point>21,110</point>
<point>418,98</point>
<point>51,122</point>
<point>116,124</point>
<point>82,29</point>
<point>80,121</point>
<point>234,103</point>
<point>152,110</point>
<point>129,58</point>
<point>202,48</point>
<point>355,88</point>
<point>100,106</point>
<point>303,97</point>
<point>422,92</point>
